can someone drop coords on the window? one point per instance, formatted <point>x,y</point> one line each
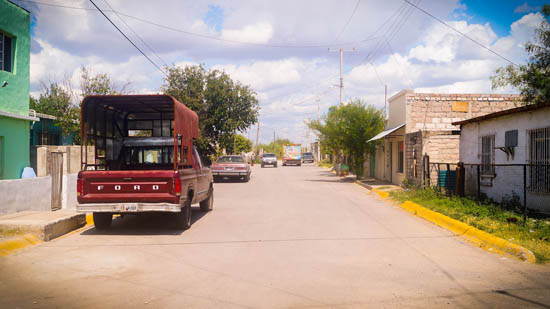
<point>400,156</point>
<point>5,53</point>
<point>488,155</point>
<point>539,157</point>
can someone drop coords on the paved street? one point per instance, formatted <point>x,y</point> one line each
<point>291,237</point>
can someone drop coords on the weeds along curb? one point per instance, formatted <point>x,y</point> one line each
<point>480,238</point>
<point>476,236</point>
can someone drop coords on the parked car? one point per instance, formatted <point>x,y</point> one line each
<point>269,159</point>
<point>134,174</point>
<point>232,166</point>
<point>307,157</point>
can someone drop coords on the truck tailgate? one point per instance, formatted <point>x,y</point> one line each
<point>153,186</point>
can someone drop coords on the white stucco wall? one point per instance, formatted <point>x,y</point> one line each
<point>508,179</point>
<point>397,109</point>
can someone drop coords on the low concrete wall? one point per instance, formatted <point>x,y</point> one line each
<point>35,194</point>
<point>25,194</point>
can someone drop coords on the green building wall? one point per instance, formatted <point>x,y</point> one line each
<point>14,98</point>
<point>14,148</point>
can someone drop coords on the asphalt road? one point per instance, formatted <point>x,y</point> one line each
<point>291,237</point>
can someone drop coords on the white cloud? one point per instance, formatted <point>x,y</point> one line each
<point>257,33</point>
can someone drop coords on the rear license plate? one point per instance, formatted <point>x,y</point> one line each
<point>228,168</point>
<point>130,207</point>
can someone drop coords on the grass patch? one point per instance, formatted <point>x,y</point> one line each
<point>327,165</point>
<point>488,217</point>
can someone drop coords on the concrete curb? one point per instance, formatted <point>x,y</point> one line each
<point>476,236</point>
<point>13,244</point>
<point>482,239</point>
<point>16,243</point>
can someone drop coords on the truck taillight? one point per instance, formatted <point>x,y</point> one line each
<point>79,187</point>
<point>177,183</point>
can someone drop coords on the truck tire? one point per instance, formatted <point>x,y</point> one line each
<point>183,218</point>
<point>299,164</point>
<point>102,220</point>
<point>208,203</point>
<point>247,178</point>
<point>275,165</point>
<point>262,166</point>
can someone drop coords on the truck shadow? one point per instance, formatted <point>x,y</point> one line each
<point>146,224</point>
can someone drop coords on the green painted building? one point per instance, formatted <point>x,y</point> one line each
<point>14,89</point>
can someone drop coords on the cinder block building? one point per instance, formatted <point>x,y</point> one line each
<point>420,124</point>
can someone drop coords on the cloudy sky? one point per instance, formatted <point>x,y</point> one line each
<point>281,48</point>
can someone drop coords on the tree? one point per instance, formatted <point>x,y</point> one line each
<point>100,83</point>
<point>223,106</point>
<point>346,129</point>
<point>532,79</point>
<point>275,147</point>
<point>55,99</point>
<point>238,145</point>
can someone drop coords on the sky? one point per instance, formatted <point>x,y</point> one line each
<point>281,48</point>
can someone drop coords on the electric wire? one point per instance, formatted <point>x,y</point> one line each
<point>129,40</point>
<point>303,46</point>
<point>348,21</point>
<point>461,33</point>
<point>135,33</point>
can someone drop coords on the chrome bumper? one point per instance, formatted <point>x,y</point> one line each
<point>128,207</point>
<point>229,173</point>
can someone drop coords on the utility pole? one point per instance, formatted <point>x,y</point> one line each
<point>273,137</point>
<point>257,135</point>
<point>342,70</point>
<point>385,102</point>
<point>318,135</point>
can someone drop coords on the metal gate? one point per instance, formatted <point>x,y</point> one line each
<point>56,172</point>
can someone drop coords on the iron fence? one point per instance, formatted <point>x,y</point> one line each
<point>523,188</point>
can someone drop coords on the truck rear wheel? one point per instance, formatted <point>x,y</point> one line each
<point>102,220</point>
<point>183,218</point>
<point>208,203</point>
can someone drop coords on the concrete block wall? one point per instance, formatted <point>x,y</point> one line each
<point>434,111</point>
<point>71,158</point>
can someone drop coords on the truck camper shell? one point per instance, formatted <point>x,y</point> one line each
<point>111,122</point>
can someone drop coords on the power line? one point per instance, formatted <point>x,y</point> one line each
<point>349,20</point>
<point>320,45</point>
<point>139,37</point>
<point>461,33</point>
<point>127,38</point>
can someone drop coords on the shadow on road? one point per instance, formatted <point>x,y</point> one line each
<point>145,224</point>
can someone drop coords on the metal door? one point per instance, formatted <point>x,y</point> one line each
<point>56,172</point>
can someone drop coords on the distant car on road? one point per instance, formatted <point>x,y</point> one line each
<point>269,159</point>
<point>308,157</point>
<point>231,167</point>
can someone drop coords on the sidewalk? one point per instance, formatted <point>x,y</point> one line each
<point>44,225</point>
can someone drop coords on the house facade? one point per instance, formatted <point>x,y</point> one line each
<point>14,89</point>
<point>501,143</point>
<point>421,124</point>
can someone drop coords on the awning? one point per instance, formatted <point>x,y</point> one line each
<point>386,133</point>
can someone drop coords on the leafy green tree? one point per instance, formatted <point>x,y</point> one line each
<point>223,105</point>
<point>275,147</point>
<point>532,79</point>
<point>238,145</point>
<point>55,100</point>
<point>100,83</point>
<point>346,129</point>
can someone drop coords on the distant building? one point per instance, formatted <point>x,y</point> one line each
<point>46,132</point>
<point>14,89</point>
<point>514,136</point>
<point>420,124</point>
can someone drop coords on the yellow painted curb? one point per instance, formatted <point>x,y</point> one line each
<point>480,238</point>
<point>382,194</point>
<point>20,242</point>
<point>89,219</point>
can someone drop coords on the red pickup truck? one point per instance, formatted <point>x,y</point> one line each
<point>143,159</point>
